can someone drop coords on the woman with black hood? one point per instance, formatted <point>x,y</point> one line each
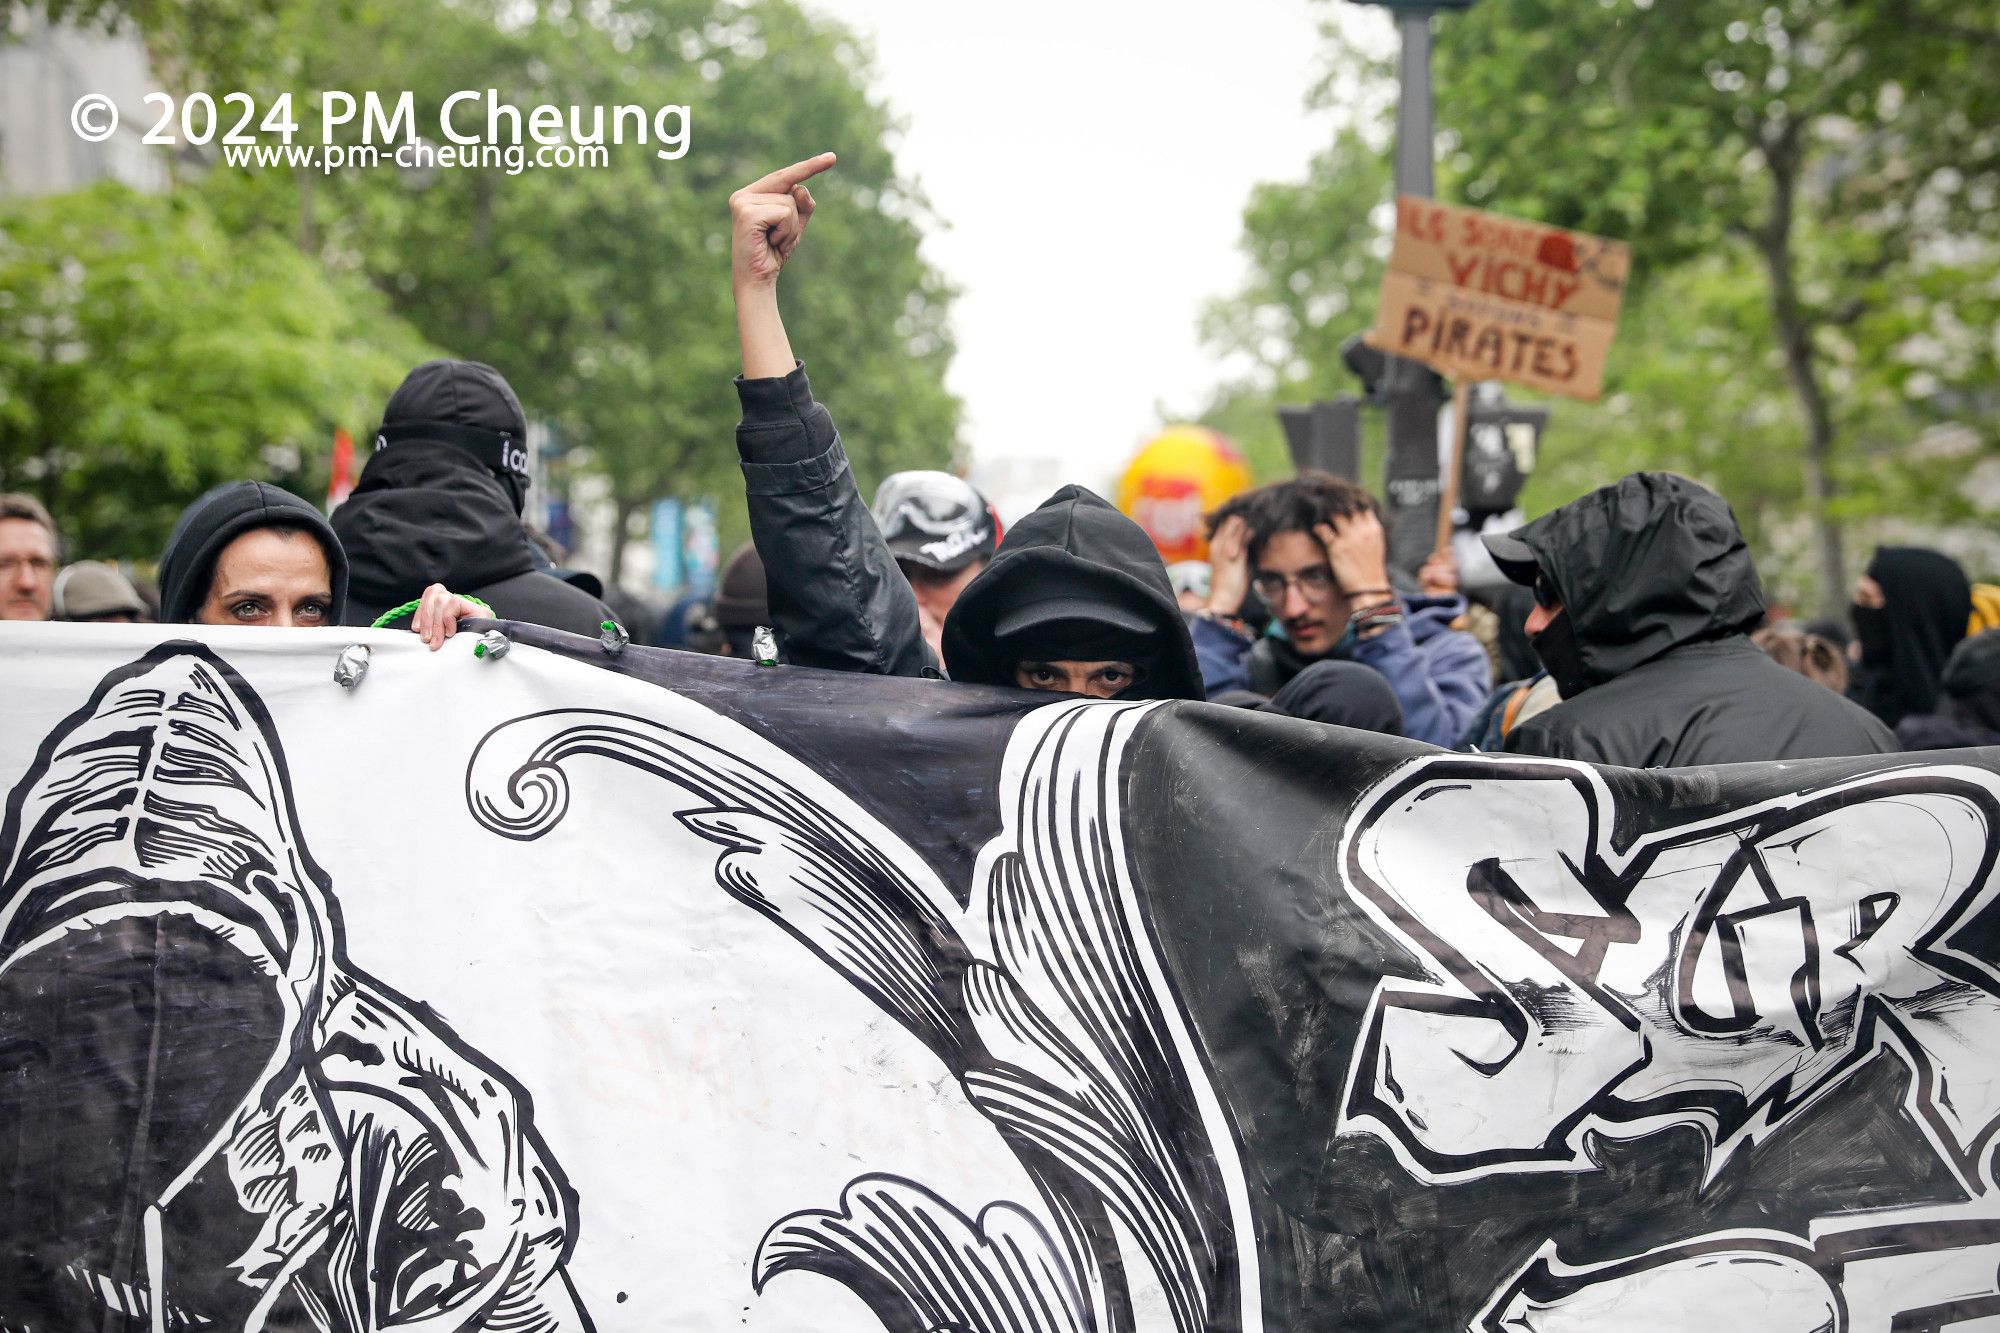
<point>1910,609</point>
<point>250,553</point>
<point>1076,599</point>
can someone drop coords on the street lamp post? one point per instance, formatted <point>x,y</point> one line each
<point>1412,392</point>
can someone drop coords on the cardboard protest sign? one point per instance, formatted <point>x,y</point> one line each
<point>1479,296</point>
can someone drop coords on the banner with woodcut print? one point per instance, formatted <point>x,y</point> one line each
<point>567,991</point>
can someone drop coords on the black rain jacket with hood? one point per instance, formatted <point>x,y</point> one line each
<point>1075,570</point>
<point>1658,593</point>
<point>1926,604</point>
<point>428,510</point>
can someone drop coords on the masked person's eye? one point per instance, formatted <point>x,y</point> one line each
<point>1040,676</point>
<point>247,610</point>
<point>312,613</point>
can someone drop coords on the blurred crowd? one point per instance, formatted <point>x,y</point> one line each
<point>1626,627</point>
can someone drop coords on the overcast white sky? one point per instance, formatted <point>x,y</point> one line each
<point>1091,159</point>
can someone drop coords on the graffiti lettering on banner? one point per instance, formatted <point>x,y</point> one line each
<point>1476,295</point>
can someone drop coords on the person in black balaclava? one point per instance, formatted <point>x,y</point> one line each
<point>1076,599</point>
<point>1910,609</point>
<point>440,503</point>
<point>1644,593</point>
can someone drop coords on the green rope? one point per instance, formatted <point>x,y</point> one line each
<point>408,608</point>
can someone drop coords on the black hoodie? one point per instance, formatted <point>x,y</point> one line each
<point>1075,551</point>
<point>218,518</point>
<point>840,603</point>
<point>425,514</point>
<point>1926,604</point>
<point>1658,591</point>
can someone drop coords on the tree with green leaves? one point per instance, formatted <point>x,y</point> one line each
<point>602,293</point>
<point>145,356</point>
<point>1842,156</point>
<point>1808,188</point>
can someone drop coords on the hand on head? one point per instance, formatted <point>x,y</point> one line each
<point>1229,566</point>
<point>1357,549</point>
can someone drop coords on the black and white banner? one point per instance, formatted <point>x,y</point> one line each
<point>556,990</point>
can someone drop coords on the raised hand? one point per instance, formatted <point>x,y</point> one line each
<point>1439,575</point>
<point>767,219</point>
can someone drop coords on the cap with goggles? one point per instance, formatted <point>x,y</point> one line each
<point>935,520</point>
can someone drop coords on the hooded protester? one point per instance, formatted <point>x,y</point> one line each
<point>1910,609</point>
<point>1075,600</point>
<point>440,503</point>
<point>1074,580</point>
<point>1968,711</point>
<point>1645,594</point>
<point>250,553</point>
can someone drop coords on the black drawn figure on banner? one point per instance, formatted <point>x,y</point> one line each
<point>1041,994</point>
<point>1724,975</point>
<point>208,1118</point>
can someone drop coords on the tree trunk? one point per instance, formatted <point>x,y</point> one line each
<point>621,533</point>
<point>1795,329</point>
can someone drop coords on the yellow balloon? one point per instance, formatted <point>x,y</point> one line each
<point>1176,478</point>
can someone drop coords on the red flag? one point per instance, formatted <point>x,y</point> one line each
<point>341,482</point>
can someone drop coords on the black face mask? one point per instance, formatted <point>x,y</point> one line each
<point>1559,651</point>
<point>1871,628</point>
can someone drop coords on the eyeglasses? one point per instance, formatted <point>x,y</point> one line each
<point>1315,584</point>
<point>1547,595</point>
<point>34,564</point>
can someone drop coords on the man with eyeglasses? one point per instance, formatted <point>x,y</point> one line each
<point>27,559</point>
<point>1644,596</point>
<point>1314,550</point>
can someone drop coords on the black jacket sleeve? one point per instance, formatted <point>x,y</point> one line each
<point>837,598</point>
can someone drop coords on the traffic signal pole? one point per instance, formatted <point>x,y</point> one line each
<point>1411,391</point>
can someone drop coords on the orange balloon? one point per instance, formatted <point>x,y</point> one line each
<point>1176,477</point>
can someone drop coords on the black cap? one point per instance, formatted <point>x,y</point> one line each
<point>1515,557</point>
<point>742,598</point>
<point>465,404</point>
